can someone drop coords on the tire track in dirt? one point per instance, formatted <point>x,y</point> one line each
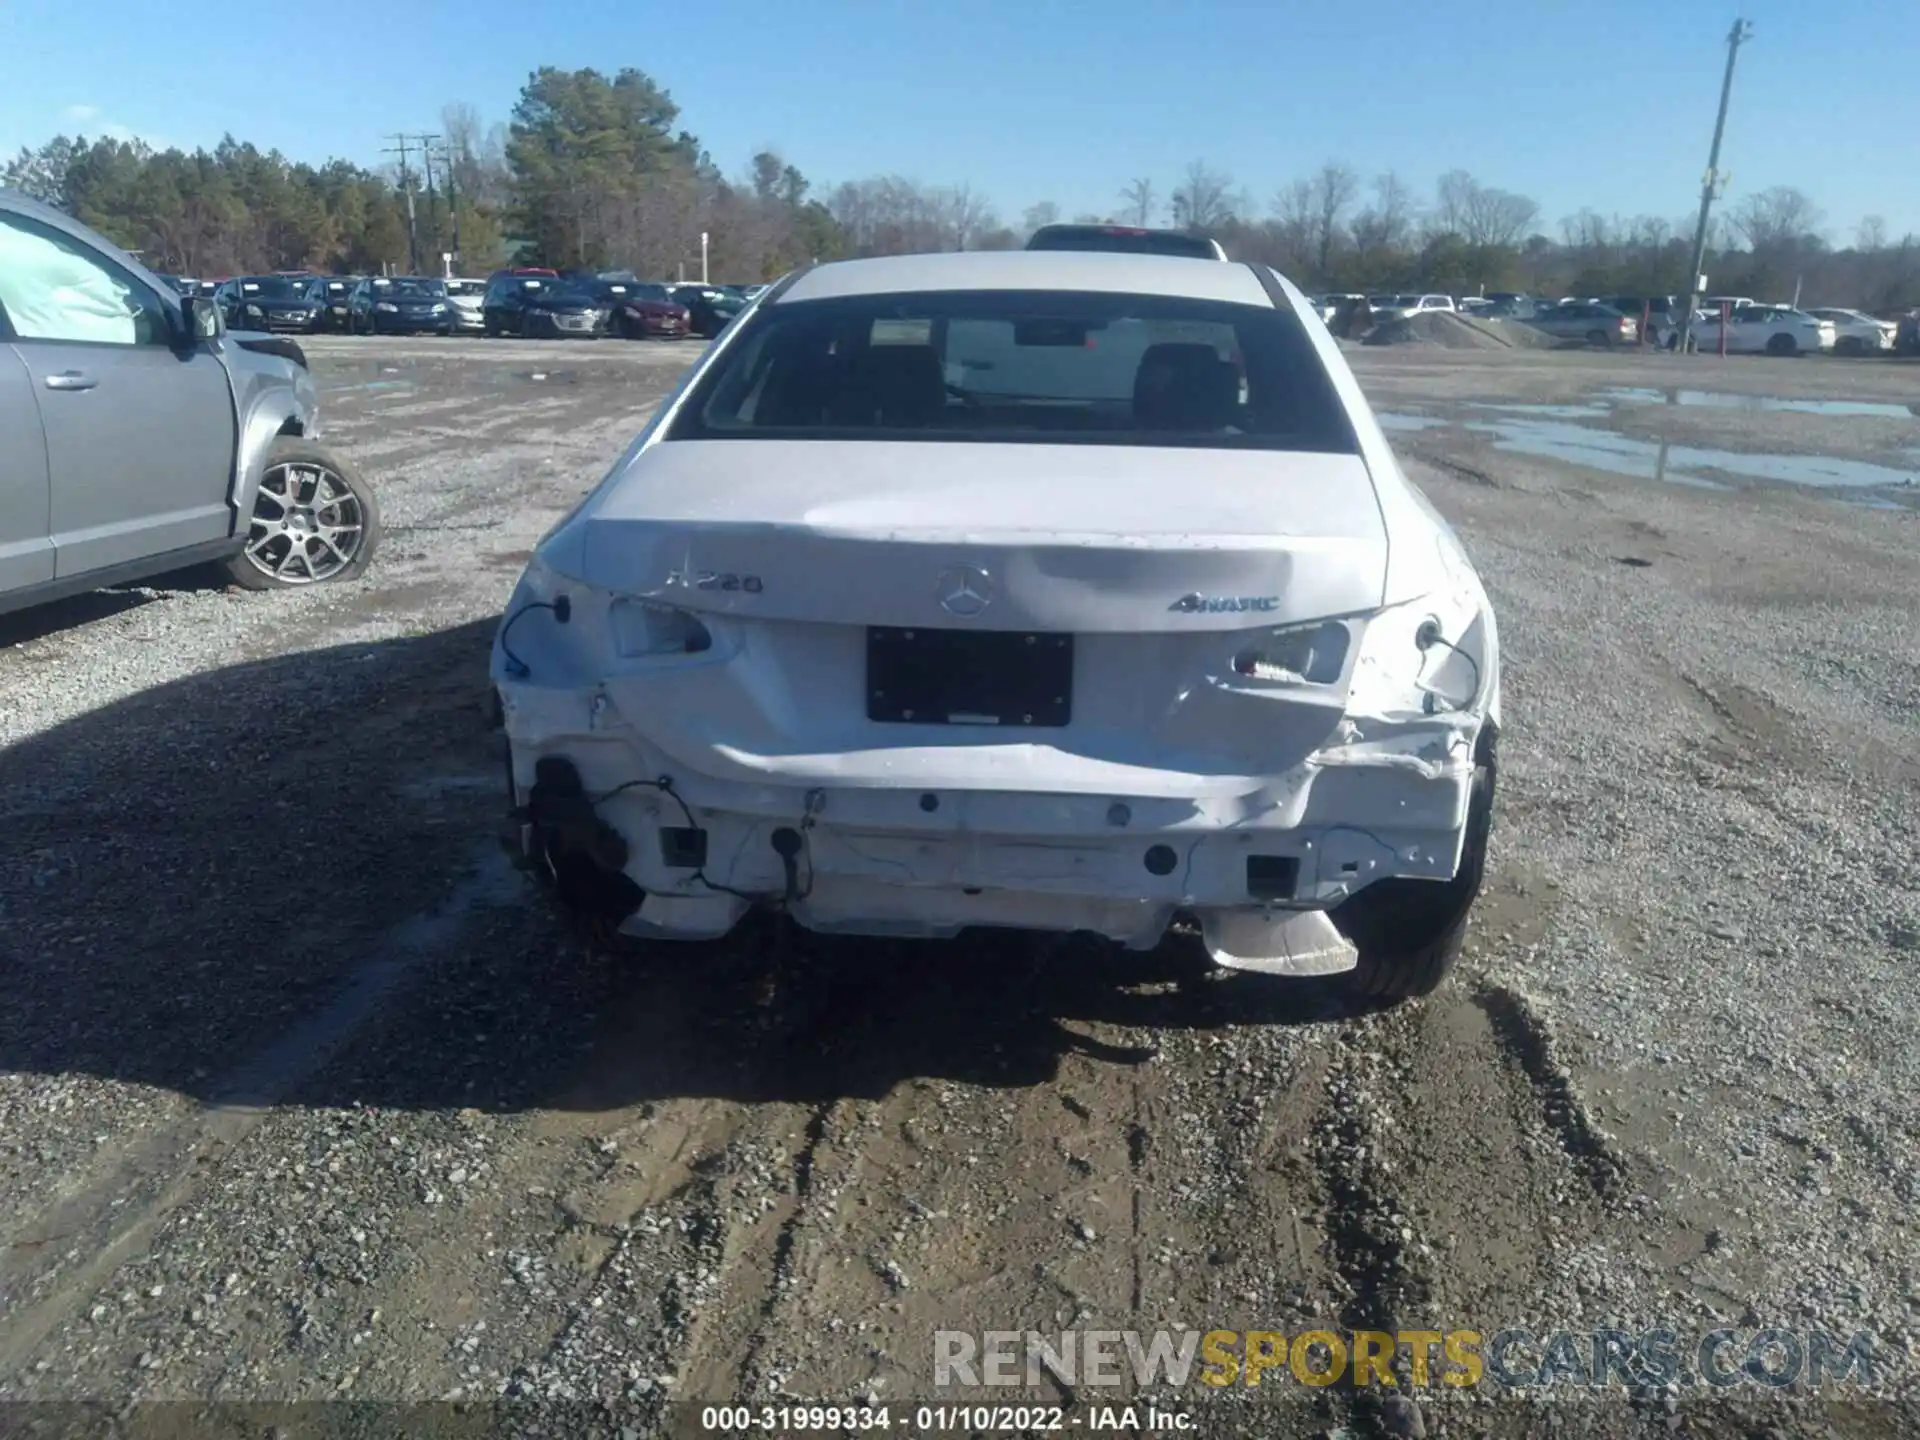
<point>1528,1045</point>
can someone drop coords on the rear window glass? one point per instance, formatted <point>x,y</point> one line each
<point>1092,237</point>
<point>1022,367</point>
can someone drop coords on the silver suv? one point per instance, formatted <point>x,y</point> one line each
<point>138,436</point>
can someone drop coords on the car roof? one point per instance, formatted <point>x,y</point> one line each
<point>1125,273</point>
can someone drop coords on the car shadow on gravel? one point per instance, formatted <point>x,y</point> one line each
<point>812,1019</point>
<point>194,870</point>
<point>203,876</point>
<point>24,626</point>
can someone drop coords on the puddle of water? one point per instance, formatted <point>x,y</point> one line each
<point>1677,464</point>
<point>1554,412</point>
<point>1720,400</point>
<point>1390,421</point>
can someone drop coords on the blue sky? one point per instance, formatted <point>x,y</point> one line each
<point>1608,105</point>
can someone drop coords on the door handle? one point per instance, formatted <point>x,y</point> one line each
<point>71,380</point>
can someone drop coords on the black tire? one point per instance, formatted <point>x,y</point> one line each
<point>292,449</point>
<point>1600,338</point>
<point>1782,345</point>
<point>1410,932</point>
<point>1849,345</point>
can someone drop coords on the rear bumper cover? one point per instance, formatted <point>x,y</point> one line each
<point>903,861</point>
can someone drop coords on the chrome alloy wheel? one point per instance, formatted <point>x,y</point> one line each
<point>307,524</point>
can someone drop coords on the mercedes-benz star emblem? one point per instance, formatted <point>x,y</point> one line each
<point>964,590</point>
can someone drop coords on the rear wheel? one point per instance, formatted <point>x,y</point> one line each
<point>1599,338</point>
<point>1782,345</point>
<point>1849,345</point>
<point>1410,932</point>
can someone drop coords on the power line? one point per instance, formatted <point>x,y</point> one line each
<point>1742,32</point>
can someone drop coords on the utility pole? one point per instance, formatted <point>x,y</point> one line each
<point>1742,31</point>
<point>399,147</point>
<point>433,206</point>
<point>453,201</point>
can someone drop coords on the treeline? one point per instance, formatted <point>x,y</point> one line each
<point>1334,230</point>
<point>595,170</point>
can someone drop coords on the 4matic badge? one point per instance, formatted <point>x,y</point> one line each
<point>1198,604</point>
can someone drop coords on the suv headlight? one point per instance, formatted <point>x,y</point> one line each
<point>439,308</point>
<point>645,627</point>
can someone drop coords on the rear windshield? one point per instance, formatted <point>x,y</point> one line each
<point>1022,367</point>
<point>1095,237</point>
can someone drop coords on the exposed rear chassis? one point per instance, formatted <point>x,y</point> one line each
<point>657,850</point>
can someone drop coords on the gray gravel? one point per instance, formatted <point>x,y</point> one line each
<point>302,1096</point>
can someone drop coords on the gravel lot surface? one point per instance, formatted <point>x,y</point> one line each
<point>303,1096</point>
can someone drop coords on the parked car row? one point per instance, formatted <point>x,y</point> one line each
<point>1750,326</point>
<point>524,300</point>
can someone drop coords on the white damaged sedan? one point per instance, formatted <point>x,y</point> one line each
<point>1050,590</point>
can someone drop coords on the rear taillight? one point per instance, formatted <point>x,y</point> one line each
<point>1310,654</point>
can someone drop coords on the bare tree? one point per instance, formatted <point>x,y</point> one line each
<point>1498,218</point>
<point>967,215</point>
<point>1588,232</point>
<point>1452,196</point>
<point>1139,199</point>
<point>1205,199</point>
<point>1035,216</point>
<point>1387,221</point>
<point>1778,217</point>
<point>1649,232</point>
<point>478,154</point>
<point>892,215</point>
<point>1871,233</point>
<point>1334,189</point>
<point>1294,207</point>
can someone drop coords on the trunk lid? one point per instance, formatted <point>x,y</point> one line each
<point>1077,538</point>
